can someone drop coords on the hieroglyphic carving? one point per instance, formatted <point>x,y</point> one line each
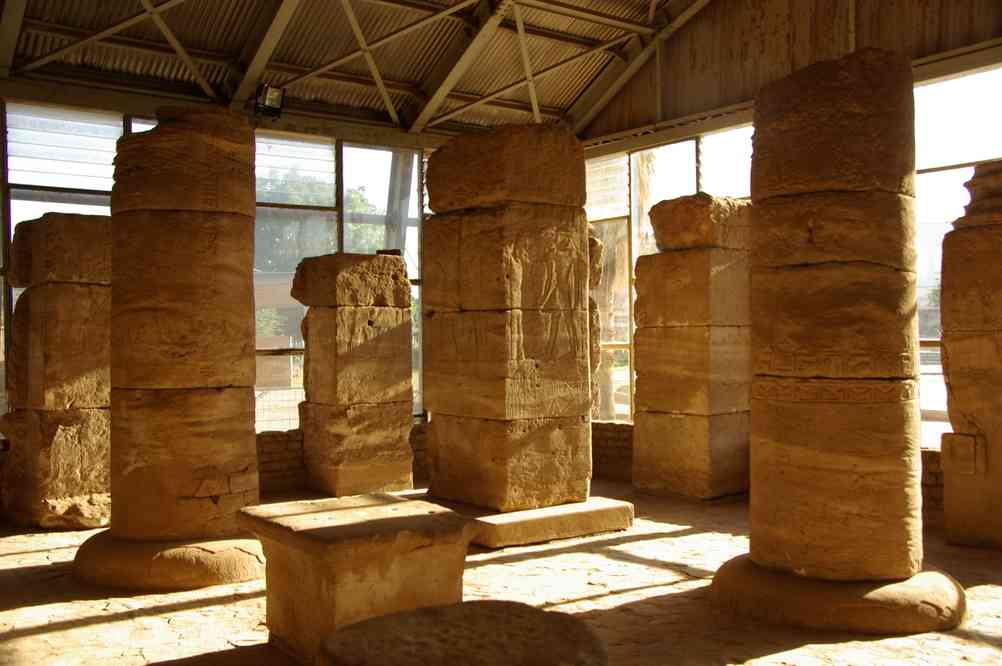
<point>836,363</point>
<point>813,390</point>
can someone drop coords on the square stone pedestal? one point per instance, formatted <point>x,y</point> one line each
<point>333,562</point>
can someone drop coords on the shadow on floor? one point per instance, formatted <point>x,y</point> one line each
<point>42,584</point>
<point>251,655</point>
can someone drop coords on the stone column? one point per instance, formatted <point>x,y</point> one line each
<point>57,374</point>
<point>183,454</point>
<point>971,307</point>
<point>506,346</point>
<point>692,347</point>
<point>356,419</point>
<point>835,477</point>
<point>596,264</point>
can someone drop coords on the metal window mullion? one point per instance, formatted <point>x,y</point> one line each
<point>632,270</point>
<point>288,206</point>
<point>5,225</point>
<point>339,191</point>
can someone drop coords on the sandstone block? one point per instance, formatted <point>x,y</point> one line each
<point>596,258</point>
<point>182,312</point>
<point>836,321</point>
<point>357,355</point>
<point>697,456</point>
<point>693,369</point>
<point>837,125</point>
<point>698,287</point>
<point>972,283</point>
<point>565,521</point>
<point>528,256</point>
<point>56,474</point>
<point>506,364</point>
<point>510,465</point>
<point>971,491</point>
<point>334,562</point>
<point>185,459</point>
<point>972,367</point>
<point>357,449</point>
<point>872,227</point>
<point>60,247</point>
<point>60,348</point>
<point>352,279</point>
<point>527,163</point>
<point>701,221</point>
<point>835,473</point>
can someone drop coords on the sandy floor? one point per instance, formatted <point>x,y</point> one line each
<point>644,591</point>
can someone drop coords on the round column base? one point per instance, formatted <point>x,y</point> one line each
<point>166,565</point>
<point>928,601</point>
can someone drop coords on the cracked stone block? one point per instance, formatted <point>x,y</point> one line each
<point>357,355</point>
<point>836,478</point>
<point>185,460</point>
<point>341,279</point>
<point>514,256</point>
<point>972,284</point>
<point>541,164</point>
<point>358,448</point>
<point>701,221</point>
<point>837,125</point>
<point>698,287</point>
<point>59,247</point>
<point>510,465</point>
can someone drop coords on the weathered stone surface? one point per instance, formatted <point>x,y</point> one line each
<point>837,125</point>
<point>196,160</point>
<point>357,449</point>
<point>972,283</point>
<point>527,163</point>
<point>594,354</point>
<point>182,312</point>
<point>334,562</point>
<point>972,366</point>
<point>696,287</point>
<point>565,521</point>
<point>697,456</point>
<point>509,465</point>
<point>596,258</point>
<point>693,369</point>
<point>836,321</point>
<point>183,462</point>
<point>60,348</point>
<point>506,364</point>
<point>971,492</point>
<point>59,247</point>
<point>352,279</point>
<point>985,187</point>
<point>701,221</point>
<point>357,355</point>
<point>928,601</point>
<point>835,477</point>
<point>487,633</point>
<point>528,256</point>
<point>872,227</point>
<point>56,474</point>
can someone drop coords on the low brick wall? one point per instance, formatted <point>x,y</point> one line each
<point>932,480</point>
<point>612,451</point>
<point>419,438</point>
<point>280,460</point>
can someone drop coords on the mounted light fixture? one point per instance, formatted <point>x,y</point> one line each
<point>268,101</point>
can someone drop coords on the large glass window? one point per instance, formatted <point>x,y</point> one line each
<point>725,162</point>
<point>657,174</point>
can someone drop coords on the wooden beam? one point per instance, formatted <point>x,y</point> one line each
<point>460,66</point>
<point>10,29</point>
<point>265,48</point>
<point>356,28</point>
<point>580,116</point>
<point>527,63</point>
<point>589,15</point>
<point>107,32</point>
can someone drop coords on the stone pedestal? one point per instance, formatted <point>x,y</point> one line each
<point>57,379</point>
<point>836,519</point>
<point>183,452</point>
<point>356,419</point>
<point>971,308</point>
<point>692,348</point>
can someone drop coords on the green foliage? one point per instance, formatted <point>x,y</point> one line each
<point>268,321</point>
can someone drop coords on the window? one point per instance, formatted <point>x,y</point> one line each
<point>657,174</point>
<point>725,162</point>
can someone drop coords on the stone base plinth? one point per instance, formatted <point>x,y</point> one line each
<point>928,601</point>
<point>167,565</point>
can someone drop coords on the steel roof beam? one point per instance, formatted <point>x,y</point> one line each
<point>356,28</point>
<point>10,29</point>
<point>526,63</point>
<point>589,15</point>
<point>175,43</point>
<point>265,49</point>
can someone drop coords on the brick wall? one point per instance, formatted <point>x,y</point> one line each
<point>932,480</point>
<point>612,451</point>
<point>280,460</point>
<point>419,436</point>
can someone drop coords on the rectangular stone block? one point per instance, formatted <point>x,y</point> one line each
<point>836,321</point>
<point>357,355</point>
<point>60,348</point>
<point>699,287</point>
<point>972,283</point>
<point>57,471</point>
<point>334,562</point>
<point>693,370</point>
<point>59,247</point>
<point>509,465</point>
<point>702,221</point>
<point>872,227</point>
<point>566,521</point>
<point>837,125</point>
<point>516,256</point>
<point>357,449</point>
<point>352,279</point>
<point>527,163</point>
<point>972,367</point>
<point>971,491</point>
<point>507,364</point>
<point>836,472</point>
<point>696,456</point>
